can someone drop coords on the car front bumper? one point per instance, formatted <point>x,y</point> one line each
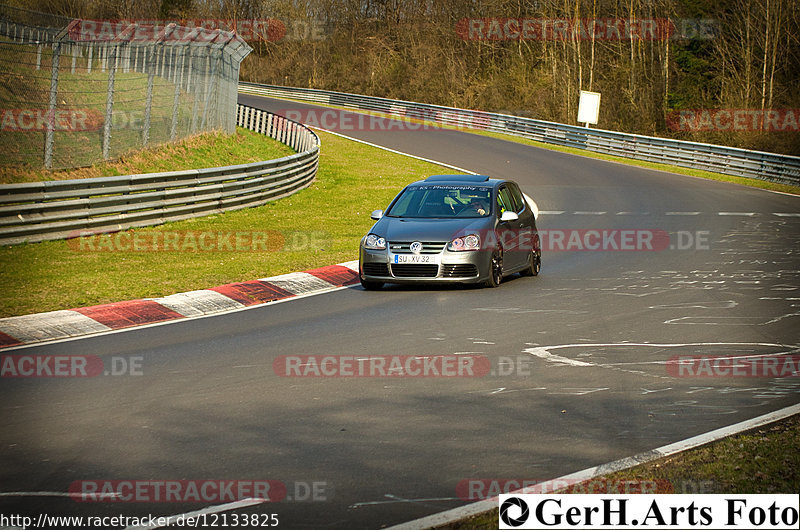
<point>450,267</point>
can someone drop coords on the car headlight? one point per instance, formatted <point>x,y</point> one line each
<point>470,242</point>
<point>374,242</point>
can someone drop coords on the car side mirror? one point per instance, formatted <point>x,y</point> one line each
<point>508,216</point>
<point>376,214</point>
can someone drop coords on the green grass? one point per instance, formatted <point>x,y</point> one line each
<point>204,150</point>
<point>333,213</point>
<point>766,460</point>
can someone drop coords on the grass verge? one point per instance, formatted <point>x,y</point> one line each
<point>764,460</point>
<point>202,150</point>
<point>318,226</point>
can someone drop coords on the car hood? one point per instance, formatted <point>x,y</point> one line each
<point>398,229</point>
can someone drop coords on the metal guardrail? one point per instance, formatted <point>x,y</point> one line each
<point>41,211</point>
<point>773,167</point>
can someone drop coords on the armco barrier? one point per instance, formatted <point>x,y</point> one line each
<point>716,158</point>
<point>40,211</point>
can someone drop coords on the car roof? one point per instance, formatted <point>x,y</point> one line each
<point>459,179</point>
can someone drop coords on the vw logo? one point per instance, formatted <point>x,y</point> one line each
<point>415,247</point>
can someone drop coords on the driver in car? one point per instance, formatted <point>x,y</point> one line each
<point>478,206</point>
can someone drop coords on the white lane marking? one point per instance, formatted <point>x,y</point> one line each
<point>518,310</point>
<point>642,295</point>
<point>98,496</point>
<point>717,321</point>
<point>544,352</point>
<point>423,159</point>
<point>776,319</point>
<point>77,497</point>
<point>696,389</point>
<point>551,212</point>
<point>646,391</point>
<point>682,213</point>
<point>481,507</point>
<point>723,304</point>
<point>778,298</point>
<point>787,214</point>
<point>168,520</point>
<point>394,499</point>
<point>504,390</point>
<point>576,391</point>
<point>737,214</point>
<point>589,213</point>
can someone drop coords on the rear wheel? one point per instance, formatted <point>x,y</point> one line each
<point>534,264</point>
<point>534,261</point>
<point>495,269</point>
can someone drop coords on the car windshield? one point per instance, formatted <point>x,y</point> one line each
<point>442,201</point>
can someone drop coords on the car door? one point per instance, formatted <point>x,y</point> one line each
<point>509,232</point>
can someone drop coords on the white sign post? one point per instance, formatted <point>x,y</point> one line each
<point>589,107</point>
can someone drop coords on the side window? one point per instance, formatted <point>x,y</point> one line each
<point>504,201</point>
<point>519,201</point>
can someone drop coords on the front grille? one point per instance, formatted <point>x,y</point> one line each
<point>415,271</point>
<point>376,269</point>
<point>428,247</point>
<point>463,270</point>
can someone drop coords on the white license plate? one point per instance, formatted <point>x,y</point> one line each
<point>416,258</point>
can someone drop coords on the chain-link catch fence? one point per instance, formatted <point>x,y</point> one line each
<point>75,92</point>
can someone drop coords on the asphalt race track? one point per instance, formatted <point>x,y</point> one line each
<point>579,359</point>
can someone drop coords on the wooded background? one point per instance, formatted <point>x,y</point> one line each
<point>416,50</point>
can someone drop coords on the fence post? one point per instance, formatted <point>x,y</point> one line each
<point>175,101</point>
<point>148,102</point>
<point>51,108</point>
<point>209,90</point>
<point>196,102</point>
<point>189,71</point>
<point>112,70</point>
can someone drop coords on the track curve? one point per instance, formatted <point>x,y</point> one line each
<point>588,341</point>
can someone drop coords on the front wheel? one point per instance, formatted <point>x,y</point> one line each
<point>495,269</point>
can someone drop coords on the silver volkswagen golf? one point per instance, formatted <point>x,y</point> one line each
<point>452,228</point>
